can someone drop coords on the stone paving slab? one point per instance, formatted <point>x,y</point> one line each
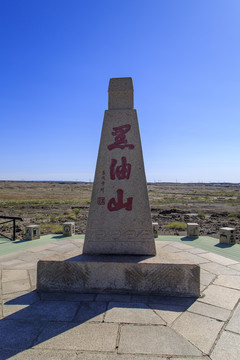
<point>11,275</point>
<point>42,247</point>
<point>234,323</point>
<point>21,298</point>
<point>48,310</point>
<point>109,356</point>
<point>113,297</point>
<point>67,297</point>
<point>167,312</point>
<point>231,281</point>
<point>221,296</point>
<point>218,269</point>
<point>16,285</point>
<point>115,327</point>
<point>228,347</point>
<point>40,355</point>
<point>91,311</point>
<point>19,334</point>
<point>193,257</point>
<point>200,330</point>
<point>218,259</point>
<point>235,267</point>
<point>132,313</point>
<point>8,310</point>
<point>210,311</point>
<point>206,277</point>
<point>87,336</point>
<point>154,340</point>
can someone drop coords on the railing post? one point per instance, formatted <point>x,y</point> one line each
<point>14,229</point>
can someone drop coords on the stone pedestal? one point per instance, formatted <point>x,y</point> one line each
<point>227,235</point>
<point>155,229</point>
<point>119,252</point>
<point>32,232</point>
<point>192,230</point>
<point>163,274</point>
<point>69,228</point>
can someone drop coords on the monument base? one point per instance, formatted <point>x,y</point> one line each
<point>163,274</point>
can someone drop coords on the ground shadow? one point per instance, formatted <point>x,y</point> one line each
<point>186,238</point>
<point>42,316</point>
<point>59,237</point>
<point>223,246</point>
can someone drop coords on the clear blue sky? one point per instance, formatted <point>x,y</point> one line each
<point>57,57</point>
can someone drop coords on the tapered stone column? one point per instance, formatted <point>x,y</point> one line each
<point>119,220</point>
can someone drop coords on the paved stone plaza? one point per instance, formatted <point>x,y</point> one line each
<point>97,326</point>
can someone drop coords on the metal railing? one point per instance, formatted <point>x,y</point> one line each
<point>10,219</point>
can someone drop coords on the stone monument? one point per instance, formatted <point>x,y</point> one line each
<point>119,220</point>
<point>119,252</point>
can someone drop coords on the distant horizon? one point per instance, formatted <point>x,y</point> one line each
<point>148,182</point>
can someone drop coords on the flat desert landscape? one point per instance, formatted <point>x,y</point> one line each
<point>173,205</point>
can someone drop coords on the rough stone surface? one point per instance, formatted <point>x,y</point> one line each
<point>205,277</point>
<point>221,296</point>
<point>109,356</point>
<point>219,259</point>
<point>119,220</point>
<point>154,340</point>
<point>48,310</point>
<point>135,313</point>
<point>57,333</point>
<point>199,330</point>
<point>40,355</point>
<point>210,311</point>
<point>168,312</point>
<point>218,269</point>
<point>228,347</point>
<point>91,311</point>
<point>13,275</point>
<point>120,93</point>
<point>16,285</point>
<point>231,281</point>
<point>18,334</point>
<point>87,336</point>
<point>234,323</point>
<point>164,273</point>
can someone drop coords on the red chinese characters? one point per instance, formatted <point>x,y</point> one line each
<point>122,171</point>
<point>120,138</point>
<point>114,205</point>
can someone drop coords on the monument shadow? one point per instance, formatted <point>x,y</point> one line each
<point>48,315</point>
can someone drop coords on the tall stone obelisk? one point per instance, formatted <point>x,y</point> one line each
<point>119,220</point>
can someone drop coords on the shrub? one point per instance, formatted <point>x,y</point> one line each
<point>176,225</point>
<point>51,228</point>
<point>201,214</point>
<point>77,211</point>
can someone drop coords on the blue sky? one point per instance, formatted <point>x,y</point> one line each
<point>57,57</point>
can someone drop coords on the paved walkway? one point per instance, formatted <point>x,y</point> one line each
<point>118,327</point>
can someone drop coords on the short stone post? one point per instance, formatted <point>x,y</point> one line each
<point>192,230</point>
<point>69,228</point>
<point>227,235</point>
<point>155,229</point>
<point>32,232</point>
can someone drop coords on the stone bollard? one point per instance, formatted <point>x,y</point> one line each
<point>155,229</point>
<point>227,235</point>
<point>32,232</point>
<point>192,230</point>
<point>69,228</point>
